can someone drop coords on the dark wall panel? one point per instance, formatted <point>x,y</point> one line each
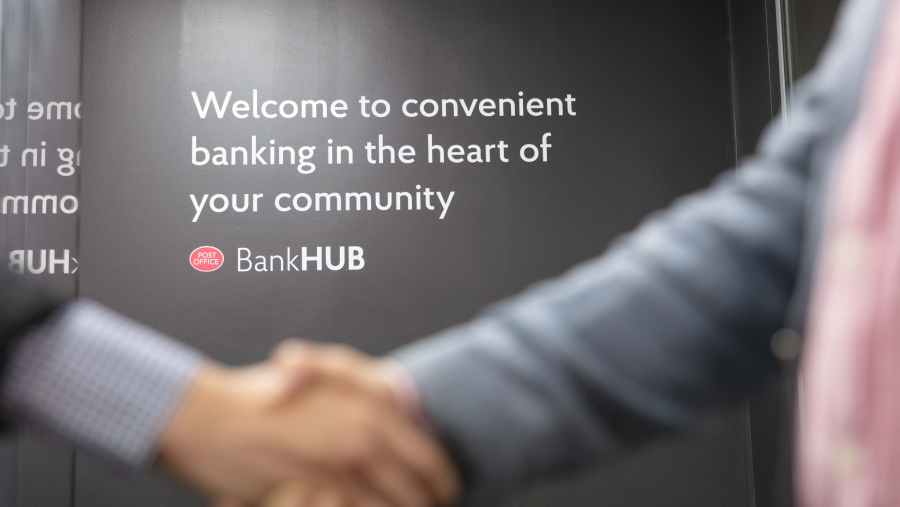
<point>41,61</point>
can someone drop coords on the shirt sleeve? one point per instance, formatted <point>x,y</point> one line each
<point>92,378</point>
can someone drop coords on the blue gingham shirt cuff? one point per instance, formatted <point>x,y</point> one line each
<point>99,381</point>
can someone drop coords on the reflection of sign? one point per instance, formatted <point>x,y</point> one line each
<point>207,258</point>
<point>42,261</point>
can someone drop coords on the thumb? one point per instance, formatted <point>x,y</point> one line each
<point>334,363</point>
<point>295,351</point>
<point>274,383</point>
<point>292,378</point>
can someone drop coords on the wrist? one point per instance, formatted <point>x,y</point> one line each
<point>205,401</point>
<point>214,438</point>
<point>404,391</point>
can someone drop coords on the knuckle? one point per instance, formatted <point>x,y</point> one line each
<point>291,346</point>
<point>343,356</point>
<point>434,471</point>
<point>365,415</point>
<point>357,454</point>
<point>431,466</point>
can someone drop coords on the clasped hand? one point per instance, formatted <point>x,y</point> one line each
<point>315,426</point>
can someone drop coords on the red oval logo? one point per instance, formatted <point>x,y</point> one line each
<point>207,258</point>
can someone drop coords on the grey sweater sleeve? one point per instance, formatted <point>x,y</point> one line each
<point>675,318</point>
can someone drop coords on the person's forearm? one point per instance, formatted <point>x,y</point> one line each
<point>22,306</point>
<point>675,319</point>
<point>96,380</point>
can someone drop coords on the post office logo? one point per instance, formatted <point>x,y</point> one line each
<point>207,258</point>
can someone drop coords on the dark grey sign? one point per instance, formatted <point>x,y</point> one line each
<point>335,154</point>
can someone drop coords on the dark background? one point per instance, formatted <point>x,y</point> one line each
<point>669,94</point>
<point>40,60</point>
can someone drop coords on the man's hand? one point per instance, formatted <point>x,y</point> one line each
<point>341,365</point>
<point>338,363</point>
<point>239,433</point>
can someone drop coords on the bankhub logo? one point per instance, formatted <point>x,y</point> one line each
<point>207,258</point>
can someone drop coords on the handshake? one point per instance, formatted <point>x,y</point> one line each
<point>315,426</point>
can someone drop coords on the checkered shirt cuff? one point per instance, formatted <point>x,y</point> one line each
<point>99,381</point>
